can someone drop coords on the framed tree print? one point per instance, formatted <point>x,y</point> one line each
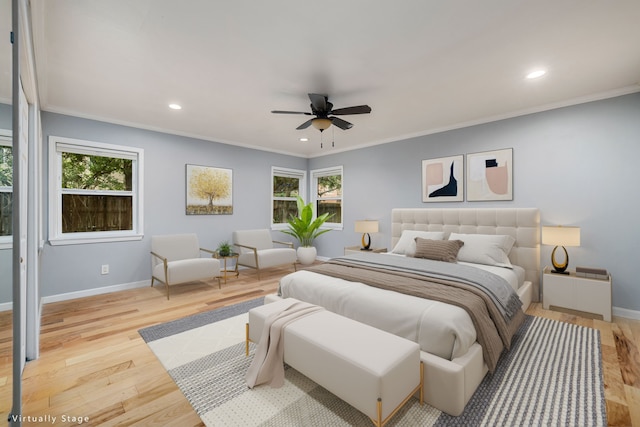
<point>209,191</point>
<point>490,175</point>
<point>442,179</point>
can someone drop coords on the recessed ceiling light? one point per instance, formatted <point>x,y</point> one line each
<point>304,139</point>
<point>175,106</point>
<point>536,74</point>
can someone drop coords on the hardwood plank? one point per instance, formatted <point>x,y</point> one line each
<point>628,355</point>
<point>94,363</point>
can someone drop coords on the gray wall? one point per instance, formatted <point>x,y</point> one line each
<point>578,165</point>
<point>77,267</point>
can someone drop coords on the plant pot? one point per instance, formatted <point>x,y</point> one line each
<point>306,254</point>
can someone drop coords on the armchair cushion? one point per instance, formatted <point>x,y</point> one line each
<point>266,253</point>
<point>259,239</point>
<point>269,257</point>
<point>188,270</point>
<point>184,264</point>
<point>175,247</point>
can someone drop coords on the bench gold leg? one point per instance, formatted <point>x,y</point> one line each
<point>421,382</point>
<point>246,343</point>
<point>380,422</point>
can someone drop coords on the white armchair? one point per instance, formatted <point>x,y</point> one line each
<point>175,259</point>
<point>257,250</point>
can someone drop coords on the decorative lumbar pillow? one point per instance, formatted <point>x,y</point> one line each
<point>485,248</point>
<point>407,244</point>
<point>438,250</point>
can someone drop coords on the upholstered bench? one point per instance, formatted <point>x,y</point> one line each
<point>372,370</point>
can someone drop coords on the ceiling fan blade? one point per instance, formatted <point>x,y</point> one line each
<point>359,109</point>
<point>290,112</point>
<point>305,125</point>
<point>318,102</point>
<point>342,124</point>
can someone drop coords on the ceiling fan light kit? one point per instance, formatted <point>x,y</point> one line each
<point>324,113</point>
<point>321,124</point>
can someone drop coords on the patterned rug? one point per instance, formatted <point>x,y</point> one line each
<point>551,377</point>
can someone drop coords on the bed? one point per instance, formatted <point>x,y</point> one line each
<point>450,335</point>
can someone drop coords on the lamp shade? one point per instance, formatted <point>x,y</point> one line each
<point>560,236</point>
<point>366,226</point>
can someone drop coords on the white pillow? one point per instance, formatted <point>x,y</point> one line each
<point>485,248</point>
<point>407,243</point>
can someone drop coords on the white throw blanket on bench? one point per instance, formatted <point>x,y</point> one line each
<point>268,362</point>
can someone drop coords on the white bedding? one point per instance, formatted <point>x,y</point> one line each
<point>441,329</point>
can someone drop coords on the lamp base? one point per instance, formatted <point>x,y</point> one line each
<point>559,267</point>
<point>366,242</point>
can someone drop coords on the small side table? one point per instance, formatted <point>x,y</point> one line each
<point>356,250</point>
<point>228,271</point>
<point>577,293</point>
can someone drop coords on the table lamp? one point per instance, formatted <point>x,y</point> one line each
<point>560,237</point>
<point>365,227</point>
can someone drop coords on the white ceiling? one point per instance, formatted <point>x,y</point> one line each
<point>423,65</point>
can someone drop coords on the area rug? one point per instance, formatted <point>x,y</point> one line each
<point>551,377</point>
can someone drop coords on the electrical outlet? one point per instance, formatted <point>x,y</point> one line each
<point>105,269</point>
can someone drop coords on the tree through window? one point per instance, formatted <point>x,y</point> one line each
<point>97,193</point>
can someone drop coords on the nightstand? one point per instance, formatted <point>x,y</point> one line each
<point>576,293</point>
<point>356,249</point>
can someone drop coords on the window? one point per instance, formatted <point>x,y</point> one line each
<point>95,192</point>
<point>287,185</point>
<point>327,194</point>
<point>6,191</point>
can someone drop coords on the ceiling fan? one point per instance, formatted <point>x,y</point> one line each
<point>325,114</point>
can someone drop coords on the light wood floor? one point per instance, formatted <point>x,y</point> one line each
<point>94,363</point>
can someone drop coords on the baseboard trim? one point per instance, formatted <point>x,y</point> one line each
<point>626,313</point>
<point>95,291</point>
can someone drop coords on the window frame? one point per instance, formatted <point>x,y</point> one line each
<point>313,191</point>
<point>59,145</point>
<point>302,185</point>
<point>6,242</point>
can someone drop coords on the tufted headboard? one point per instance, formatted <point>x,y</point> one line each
<point>523,224</point>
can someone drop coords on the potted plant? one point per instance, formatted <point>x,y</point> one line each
<point>304,228</point>
<point>224,248</point>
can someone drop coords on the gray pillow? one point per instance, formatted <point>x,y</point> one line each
<point>438,250</point>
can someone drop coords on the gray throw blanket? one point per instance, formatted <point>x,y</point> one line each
<point>267,365</point>
<point>495,286</point>
<point>494,330</point>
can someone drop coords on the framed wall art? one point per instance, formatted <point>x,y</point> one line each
<point>442,179</point>
<point>209,190</point>
<point>490,175</point>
